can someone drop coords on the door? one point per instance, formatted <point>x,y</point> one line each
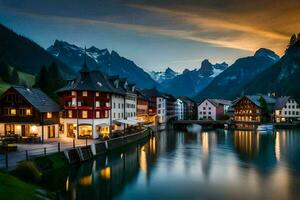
<point>70,130</point>
<point>51,131</point>
<point>25,130</point>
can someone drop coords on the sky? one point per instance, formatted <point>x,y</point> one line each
<point>158,34</point>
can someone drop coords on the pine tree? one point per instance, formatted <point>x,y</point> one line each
<point>293,40</point>
<point>42,79</point>
<point>14,78</point>
<point>4,72</point>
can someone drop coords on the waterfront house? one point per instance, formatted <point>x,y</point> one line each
<point>87,104</point>
<point>179,109</point>
<point>171,106</point>
<point>213,109</point>
<point>286,110</point>
<point>252,110</point>
<point>159,104</point>
<point>190,108</point>
<point>28,113</point>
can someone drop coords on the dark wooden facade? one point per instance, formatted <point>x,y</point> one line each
<point>14,108</point>
<point>247,115</point>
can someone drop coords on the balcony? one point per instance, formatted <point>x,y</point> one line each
<point>103,108</point>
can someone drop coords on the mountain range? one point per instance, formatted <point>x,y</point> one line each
<point>160,77</point>
<point>110,63</point>
<point>231,82</point>
<point>190,82</point>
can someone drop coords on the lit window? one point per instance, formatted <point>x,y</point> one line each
<point>13,111</point>
<point>84,114</point>
<point>97,94</point>
<point>97,103</point>
<point>28,111</point>
<point>84,93</point>
<point>70,114</point>
<point>97,114</point>
<point>73,93</point>
<point>49,115</point>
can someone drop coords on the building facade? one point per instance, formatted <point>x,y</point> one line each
<point>190,108</point>
<point>179,109</point>
<point>28,113</point>
<point>249,111</point>
<point>213,109</point>
<point>286,110</point>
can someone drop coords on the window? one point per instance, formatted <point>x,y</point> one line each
<point>97,94</point>
<point>97,114</point>
<point>28,111</point>
<point>118,115</point>
<point>209,108</point>
<point>209,113</point>
<point>70,113</point>
<point>73,93</point>
<point>114,105</point>
<point>13,111</point>
<point>97,103</point>
<point>106,114</point>
<point>204,108</point>
<point>114,115</point>
<point>84,93</point>
<point>84,114</point>
<point>49,115</point>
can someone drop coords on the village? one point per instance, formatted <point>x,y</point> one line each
<point>96,106</point>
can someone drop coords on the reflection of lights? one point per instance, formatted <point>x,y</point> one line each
<point>105,173</point>
<point>67,184</point>
<point>86,181</point>
<point>277,146</point>
<point>205,143</point>
<point>121,155</point>
<point>143,159</point>
<point>152,144</point>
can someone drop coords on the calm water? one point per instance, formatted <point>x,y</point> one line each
<point>209,165</point>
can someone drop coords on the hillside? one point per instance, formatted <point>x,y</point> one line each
<point>283,77</point>
<point>26,55</point>
<point>231,82</point>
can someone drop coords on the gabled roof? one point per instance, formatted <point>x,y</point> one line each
<point>91,81</point>
<point>218,102</point>
<point>186,99</point>
<point>255,99</point>
<point>38,99</point>
<point>281,102</point>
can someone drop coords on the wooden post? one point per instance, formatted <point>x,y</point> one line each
<point>58,147</point>
<point>42,127</point>
<point>74,143</point>
<point>86,141</point>
<point>45,152</point>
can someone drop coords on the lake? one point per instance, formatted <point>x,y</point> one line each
<point>215,164</point>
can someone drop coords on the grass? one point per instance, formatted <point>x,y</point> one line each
<point>13,188</point>
<point>51,162</point>
<point>29,79</point>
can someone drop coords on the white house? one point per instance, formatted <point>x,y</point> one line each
<point>161,105</point>
<point>212,109</point>
<point>179,109</point>
<point>286,109</point>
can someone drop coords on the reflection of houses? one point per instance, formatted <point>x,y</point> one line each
<point>286,109</point>
<point>213,109</point>
<point>28,113</point>
<point>146,108</point>
<point>249,110</point>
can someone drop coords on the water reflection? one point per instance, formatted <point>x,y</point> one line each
<point>238,164</point>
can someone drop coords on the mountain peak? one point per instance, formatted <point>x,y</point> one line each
<point>267,53</point>
<point>206,68</point>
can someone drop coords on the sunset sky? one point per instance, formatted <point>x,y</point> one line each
<point>155,35</point>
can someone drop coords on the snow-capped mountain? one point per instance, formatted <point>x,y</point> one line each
<point>101,59</point>
<point>232,81</point>
<point>190,82</point>
<point>160,77</point>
